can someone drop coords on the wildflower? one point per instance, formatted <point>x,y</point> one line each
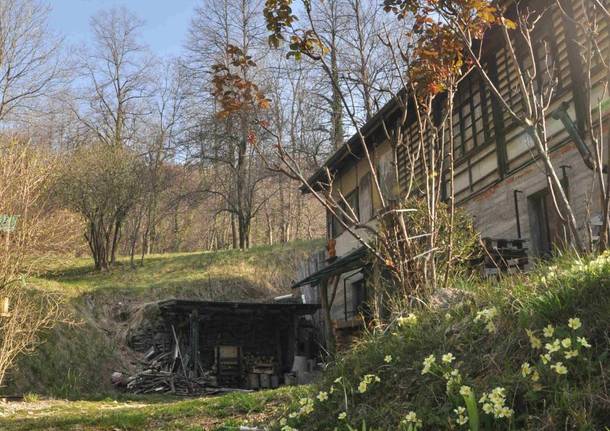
<point>566,343</point>
<point>526,369</point>
<point>553,347</point>
<point>342,416</point>
<point>366,381</point>
<point>465,391</point>
<point>548,331</point>
<point>583,342</point>
<point>283,421</point>
<point>494,403</point>
<point>428,362</point>
<point>448,358</point>
<point>546,358</point>
<point>571,354</point>
<point>387,359</point>
<point>338,379</point>
<point>411,418</point>
<point>331,390</point>
<point>560,368</point>
<point>461,413</point>
<point>322,396</point>
<point>453,378</point>
<point>574,323</point>
<point>409,320</point>
<point>534,341</point>
<point>535,376</point>
<point>490,327</point>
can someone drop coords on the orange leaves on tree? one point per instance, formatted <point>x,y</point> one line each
<point>231,87</point>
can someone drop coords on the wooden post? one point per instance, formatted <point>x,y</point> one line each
<point>194,341</point>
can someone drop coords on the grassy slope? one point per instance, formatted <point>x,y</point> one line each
<point>224,413</point>
<point>77,360</point>
<point>579,400</point>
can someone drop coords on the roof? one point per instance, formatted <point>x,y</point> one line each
<point>354,260</point>
<point>352,147</point>
<point>175,306</point>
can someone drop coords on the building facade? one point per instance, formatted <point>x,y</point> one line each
<point>498,176</point>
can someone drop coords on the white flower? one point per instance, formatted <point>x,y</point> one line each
<point>387,359</point>
<point>322,396</point>
<point>583,342</point>
<point>342,416</point>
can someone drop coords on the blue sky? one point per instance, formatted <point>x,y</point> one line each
<point>165,21</point>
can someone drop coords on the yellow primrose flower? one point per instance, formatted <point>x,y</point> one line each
<point>574,323</point>
<point>546,358</point>
<point>428,362</point>
<point>534,341</point>
<point>332,390</point>
<point>571,354</point>
<point>566,343</point>
<point>548,331</point>
<point>526,369</point>
<point>409,320</point>
<point>465,391</point>
<point>342,416</point>
<point>559,368</point>
<point>448,358</point>
<point>461,415</point>
<point>411,418</point>
<point>387,359</point>
<point>490,327</point>
<point>535,376</point>
<point>583,342</point>
<point>553,347</point>
<point>322,396</point>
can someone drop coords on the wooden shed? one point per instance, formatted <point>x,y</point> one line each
<point>241,345</point>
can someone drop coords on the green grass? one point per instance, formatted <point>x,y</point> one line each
<point>550,295</point>
<point>225,412</point>
<point>76,359</point>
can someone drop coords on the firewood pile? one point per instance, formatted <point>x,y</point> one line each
<point>167,382</point>
<point>165,372</point>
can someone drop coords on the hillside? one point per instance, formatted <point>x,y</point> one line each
<point>530,352</point>
<point>77,357</point>
<point>487,335</point>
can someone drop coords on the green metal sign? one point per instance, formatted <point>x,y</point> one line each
<point>8,223</point>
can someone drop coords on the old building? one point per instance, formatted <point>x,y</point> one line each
<point>498,176</point>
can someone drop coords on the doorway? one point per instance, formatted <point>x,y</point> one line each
<point>548,231</point>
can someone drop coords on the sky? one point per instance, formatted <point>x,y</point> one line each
<point>165,21</point>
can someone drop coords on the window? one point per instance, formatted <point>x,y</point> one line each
<point>334,228</point>
<point>471,119</point>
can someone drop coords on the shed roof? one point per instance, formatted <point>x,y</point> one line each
<point>354,260</point>
<point>179,306</point>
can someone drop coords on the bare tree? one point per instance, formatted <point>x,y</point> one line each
<point>29,57</point>
<point>34,229</point>
<point>117,72</point>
